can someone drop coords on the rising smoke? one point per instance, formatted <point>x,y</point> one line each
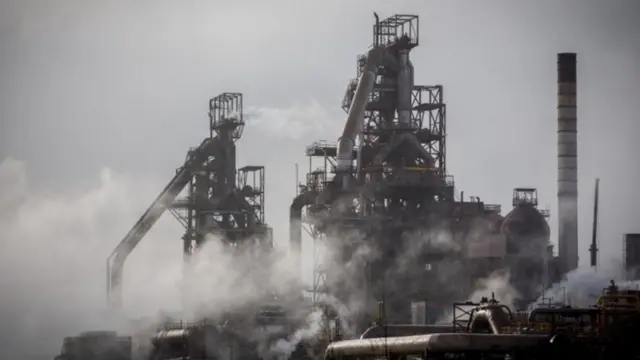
<point>582,286</point>
<point>53,252</point>
<point>283,348</point>
<point>497,285</point>
<point>53,261</point>
<point>52,266</point>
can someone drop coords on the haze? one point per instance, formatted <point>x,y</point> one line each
<point>100,101</point>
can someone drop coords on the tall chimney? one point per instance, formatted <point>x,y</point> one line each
<point>567,163</point>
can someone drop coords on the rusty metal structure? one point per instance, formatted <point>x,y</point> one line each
<point>384,189</point>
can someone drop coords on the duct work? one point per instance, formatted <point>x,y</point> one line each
<point>115,262</point>
<point>222,200</point>
<point>405,87</point>
<point>433,343</point>
<point>295,227</point>
<point>355,117</point>
<point>399,330</point>
<point>567,163</point>
<point>482,335</point>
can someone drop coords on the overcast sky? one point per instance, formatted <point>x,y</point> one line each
<point>100,101</point>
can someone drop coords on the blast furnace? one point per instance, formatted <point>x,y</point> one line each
<point>385,206</point>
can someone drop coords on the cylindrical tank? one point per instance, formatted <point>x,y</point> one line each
<point>527,234</point>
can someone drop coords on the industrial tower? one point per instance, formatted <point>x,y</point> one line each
<point>224,204</point>
<point>222,201</point>
<point>384,187</point>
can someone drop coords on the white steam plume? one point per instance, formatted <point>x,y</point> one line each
<point>283,348</point>
<point>497,284</point>
<point>582,286</point>
<point>220,282</point>
<point>53,263</point>
<point>347,272</point>
<point>53,255</point>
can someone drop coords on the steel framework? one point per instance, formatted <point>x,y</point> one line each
<point>385,186</point>
<point>399,163</point>
<point>223,200</point>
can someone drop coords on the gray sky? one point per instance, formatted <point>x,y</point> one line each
<point>88,85</point>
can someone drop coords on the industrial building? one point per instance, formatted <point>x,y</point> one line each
<point>400,238</point>
<point>384,187</point>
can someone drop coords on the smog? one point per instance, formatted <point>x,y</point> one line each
<point>389,224</point>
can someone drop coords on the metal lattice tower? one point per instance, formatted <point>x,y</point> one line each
<point>222,199</point>
<point>408,156</point>
<point>401,160</point>
<point>385,186</point>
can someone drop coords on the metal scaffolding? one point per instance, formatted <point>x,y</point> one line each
<point>222,200</point>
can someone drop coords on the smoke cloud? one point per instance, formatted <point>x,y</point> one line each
<point>224,279</point>
<point>497,284</point>
<point>283,348</point>
<point>53,259</point>
<point>582,286</point>
<point>53,263</point>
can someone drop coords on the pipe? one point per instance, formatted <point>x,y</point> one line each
<point>116,260</point>
<point>355,117</point>
<point>193,342</point>
<point>376,30</point>
<point>295,227</point>
<point>405,87</point>
<point>434,343</point>
<point>404,330</point>
<point>174,336</point>
<point>567,163</point>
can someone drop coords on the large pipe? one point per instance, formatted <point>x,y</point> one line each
<point>193,342</point>
<point>295,227</point>
<point>567,163</point>
<point>116,260</point>
<point>405,87</point>
<point>397,330</point>
<point>355,117</point>
<point>434,343</point>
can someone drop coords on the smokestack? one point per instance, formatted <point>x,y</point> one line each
<point>567,163</point>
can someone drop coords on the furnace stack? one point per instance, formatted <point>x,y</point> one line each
<point>567,163</point>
